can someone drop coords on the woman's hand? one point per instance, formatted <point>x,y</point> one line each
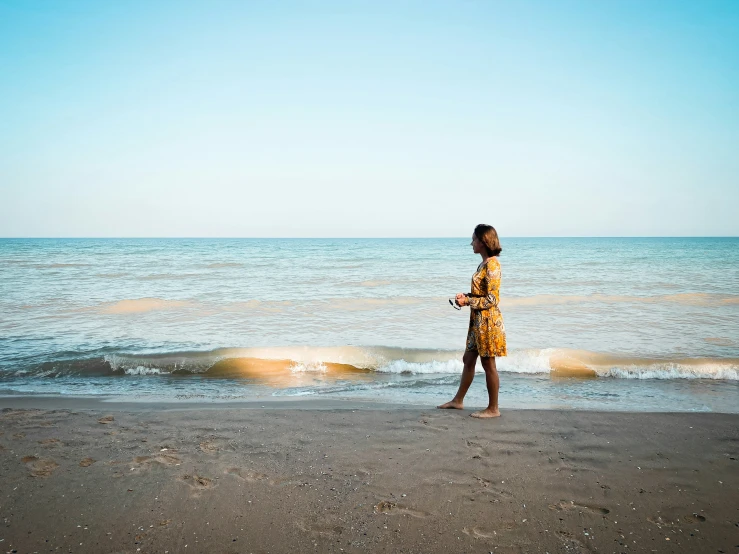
<point>461,299</point>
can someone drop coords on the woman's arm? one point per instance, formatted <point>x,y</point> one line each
<point>490,285</point>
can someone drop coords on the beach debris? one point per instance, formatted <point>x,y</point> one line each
<point>106,419</point>
<point>87,462</point>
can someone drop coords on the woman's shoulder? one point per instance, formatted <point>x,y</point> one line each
<point>492,263</point>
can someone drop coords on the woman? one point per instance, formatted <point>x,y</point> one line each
<point>486,335</point>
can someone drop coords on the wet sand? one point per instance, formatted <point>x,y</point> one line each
<point>85,476</point>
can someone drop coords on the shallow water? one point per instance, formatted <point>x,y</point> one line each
<point>657,320</point>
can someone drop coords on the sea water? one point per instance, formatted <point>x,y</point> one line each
<point>646,323</point>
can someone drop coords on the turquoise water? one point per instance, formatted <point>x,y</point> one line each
<point>657,320</point>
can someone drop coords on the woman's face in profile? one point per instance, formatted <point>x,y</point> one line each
<point>476,244</point>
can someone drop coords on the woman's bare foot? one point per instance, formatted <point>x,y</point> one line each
<point>486,413</point>
<point>451,405</point>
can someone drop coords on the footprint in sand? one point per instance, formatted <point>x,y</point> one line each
<point>198,483</point>
<point>490,488</point>
<point>140,463</point>
<point>479,450</point>
<point>248,475</point>
<point>363,473</point>
<point>476,533</point>
<point>660,521</point>
<point>158,460</point>
<point>87,462</point>
<point>322,529</point>
<point>39,467</point>
<point>564,506</point>
<point>474,444</point>
<point>391,508</point>
<point>166,460</point>
<point>49,442</point>
<point>209,447</point>
<point>428,423</point>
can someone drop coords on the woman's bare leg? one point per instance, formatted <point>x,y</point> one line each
<point>468,374</point>
<point>493,383</point>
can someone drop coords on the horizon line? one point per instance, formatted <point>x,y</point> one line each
<point>365,237</point>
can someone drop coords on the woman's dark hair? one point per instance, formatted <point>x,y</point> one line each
<point>487,235</point>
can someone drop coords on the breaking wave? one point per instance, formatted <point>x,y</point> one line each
<point>275,364</point>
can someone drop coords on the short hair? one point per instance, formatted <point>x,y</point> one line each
<point>487,235</point>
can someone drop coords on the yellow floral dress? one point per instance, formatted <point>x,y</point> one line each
<point>486,334</point>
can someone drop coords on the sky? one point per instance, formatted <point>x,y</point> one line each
<point>368,119</point>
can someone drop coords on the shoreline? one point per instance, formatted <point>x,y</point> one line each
<point>357,477</point>
<point>117,403</point>
<point>307,402</point>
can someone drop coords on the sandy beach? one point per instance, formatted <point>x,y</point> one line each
<point>87,476</point>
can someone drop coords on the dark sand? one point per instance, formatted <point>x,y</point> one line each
<point>291,477</point>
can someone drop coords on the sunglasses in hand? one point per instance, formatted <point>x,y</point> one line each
<point>454,304</point>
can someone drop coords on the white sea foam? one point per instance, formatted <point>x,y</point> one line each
<point>720,371</point>
<point>403,366</point>
<point>526,361</point>
<point>523,361</point>
<point>308,367</point>
<point>141,370</point>
<point>554,360</point>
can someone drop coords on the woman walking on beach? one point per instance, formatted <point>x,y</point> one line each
<point>486,334</point>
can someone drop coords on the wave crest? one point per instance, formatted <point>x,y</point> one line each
<point>353,361</point>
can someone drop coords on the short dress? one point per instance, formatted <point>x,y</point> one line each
<point>486,334</point>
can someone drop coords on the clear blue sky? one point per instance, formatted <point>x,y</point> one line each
<point>219,118</point>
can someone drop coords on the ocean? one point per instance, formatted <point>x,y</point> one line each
<point>629,324</point>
